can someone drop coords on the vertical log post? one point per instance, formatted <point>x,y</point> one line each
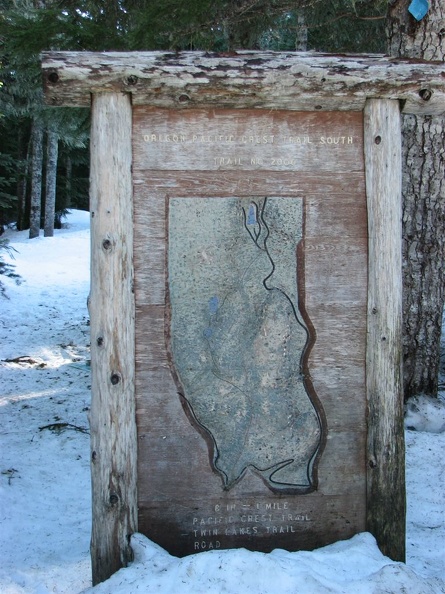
<point>113,423</point>
<point>386,463</point>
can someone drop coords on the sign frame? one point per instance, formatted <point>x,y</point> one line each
<point>378,86</point>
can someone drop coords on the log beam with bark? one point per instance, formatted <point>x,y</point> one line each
<point>268,80</point>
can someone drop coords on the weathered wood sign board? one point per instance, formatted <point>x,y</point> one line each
<point>246,295</point>
<point>251,287</point>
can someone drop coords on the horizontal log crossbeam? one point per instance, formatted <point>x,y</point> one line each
<point>268,80</point>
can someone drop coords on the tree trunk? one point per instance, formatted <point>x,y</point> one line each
<point>423,192</point>
<point>51,175</point>
<point>69,179</point>
<point>36,178</point>
<point>24,155</point>
<point>301,34</point>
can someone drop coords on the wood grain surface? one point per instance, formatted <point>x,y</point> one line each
<point>181,500</point>
<point>303,81</point>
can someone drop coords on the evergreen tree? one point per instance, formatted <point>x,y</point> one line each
<point>423,205</point>
<point>24,32</point>
<point>27,28</point>
<point>51,177</point>
<point>36,178</point>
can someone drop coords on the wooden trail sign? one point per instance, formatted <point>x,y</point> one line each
<point>246,295</point>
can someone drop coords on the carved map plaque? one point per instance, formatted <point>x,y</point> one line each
<point>238,338</point>
<point>250,285</point>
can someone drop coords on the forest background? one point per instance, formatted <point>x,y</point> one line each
<point>44,153</point>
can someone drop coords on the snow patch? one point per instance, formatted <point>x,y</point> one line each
<point>355,566</point>
<point>45,477</point>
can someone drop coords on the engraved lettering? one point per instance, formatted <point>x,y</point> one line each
<point>279,505</point>
<point>256,518</point>
<point>245,520</point>
<point>299,140</point>
<point>246,139</point>
<point>226,161</point>
<point>207,532</point>
<point>333,140</point>
<point>280,162</point>
<point>202,545</point>
<point>242,531</point>
<point>178,138</point>
<point>212,138</point>
<point>295,518</point>
<point>254,139</point>
<point>280,529</point>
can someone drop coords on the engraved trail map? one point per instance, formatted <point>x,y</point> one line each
<point>238,338</point>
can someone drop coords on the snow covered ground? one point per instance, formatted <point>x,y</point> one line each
<point>44,465</point>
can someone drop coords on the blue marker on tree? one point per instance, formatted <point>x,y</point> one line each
<point>418,8</point>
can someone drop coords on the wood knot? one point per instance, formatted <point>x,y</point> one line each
<point>114,498</point>
<point>115,378</point>
<point>53,77</point>
<point>425,94</point>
